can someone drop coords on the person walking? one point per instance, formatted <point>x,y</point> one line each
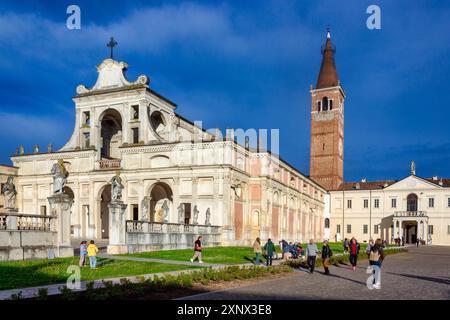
<point>312,255</point>
<point>83,253</point>
<point>354,251</point>
<point>269,249</point>
<point>346,245</point>
<point>326,255</point>
<point>376,258</point>
<point>369,247</point>
<point>417,241</point>
<point>197,250</point>
<point>92,251</point>
<point>257,250</point>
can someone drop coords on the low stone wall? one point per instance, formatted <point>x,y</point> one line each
<point>28,236</point>
<point>26,244</point>
<point>147,236</point>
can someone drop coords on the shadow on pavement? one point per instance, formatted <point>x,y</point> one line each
<point>425,278</point>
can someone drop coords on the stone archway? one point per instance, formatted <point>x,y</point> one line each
<point>110,133</point>
<point>105,199</point>
<point>67,190</point>
<point>160,193</point>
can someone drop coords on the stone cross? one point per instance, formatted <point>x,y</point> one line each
<point>111,44</point>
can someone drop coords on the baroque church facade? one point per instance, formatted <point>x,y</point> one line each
<point>164,160</point>
<point>167,163</point>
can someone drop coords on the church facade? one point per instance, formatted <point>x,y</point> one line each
<point>166,163</point>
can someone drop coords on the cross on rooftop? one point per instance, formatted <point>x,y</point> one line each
<point>111,44</point>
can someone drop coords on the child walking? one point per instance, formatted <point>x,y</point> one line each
<point>83,253</point>
<point>92,254</point>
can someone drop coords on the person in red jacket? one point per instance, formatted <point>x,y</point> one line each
<point>354,251</point>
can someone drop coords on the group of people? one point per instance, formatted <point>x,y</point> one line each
<point>90,251</point>
<point>374,251</point>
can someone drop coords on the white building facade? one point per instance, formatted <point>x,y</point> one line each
<point>409,208</point>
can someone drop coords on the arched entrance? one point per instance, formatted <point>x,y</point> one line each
<point>160,196</point>
<point>411,204</point>
<point>67,190</point>
<point>111,133</point>
<point>105,199</point>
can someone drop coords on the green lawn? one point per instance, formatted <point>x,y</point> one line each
<point>223,255</point>
<point>20,274</point>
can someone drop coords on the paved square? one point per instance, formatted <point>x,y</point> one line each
<point>421,273</point>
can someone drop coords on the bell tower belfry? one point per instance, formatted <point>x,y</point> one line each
<point>327,123</point>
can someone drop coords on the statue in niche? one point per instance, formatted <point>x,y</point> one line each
<point>165,209</point>
<point>145,208</point>
<point>196,212</point>
<point>60,175</point>
<point>208,217</point>
<point>116,187</point>
<point>180,213</point>
<point>9,190</point>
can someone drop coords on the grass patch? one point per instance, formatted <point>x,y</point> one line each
<point>224,255</point>
<point>30,273</point>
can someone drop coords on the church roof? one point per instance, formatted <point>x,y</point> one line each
<point>328,76</point>
<point>381,184</point>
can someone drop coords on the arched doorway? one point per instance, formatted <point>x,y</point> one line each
<point>111,133</point>
<point>105,199</point>
<point>160,193</point>
<point>67,190</point>
<point>411,202</point>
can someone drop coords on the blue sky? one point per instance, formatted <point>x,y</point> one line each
<point>242,64</point>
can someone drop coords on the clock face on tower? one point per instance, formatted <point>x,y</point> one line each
<point>341,147</point>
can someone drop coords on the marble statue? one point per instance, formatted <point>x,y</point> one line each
<point>413,168</point>
<point>60,175</point>
<point>145,208</point>
<point>165,209</point>
<point>208,217</point>
<point>195,221</point>
<point>116,187</point>
<point>9,191</point>
<point>181,213</point>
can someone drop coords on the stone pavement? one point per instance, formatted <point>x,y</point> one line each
<point>421,273</point>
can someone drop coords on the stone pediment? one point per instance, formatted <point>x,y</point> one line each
<point>111,75</point>
<point>412,182</point>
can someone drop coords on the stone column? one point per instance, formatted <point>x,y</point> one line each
<point>60,205</point>
<point>394,231</point>
<point>117,228</point>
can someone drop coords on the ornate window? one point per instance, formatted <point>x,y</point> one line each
<point>327,222</point>
<point>411,202</point>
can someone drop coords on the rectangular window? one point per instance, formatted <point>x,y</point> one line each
<point>366,203</point>
<point>1,188</point>
<point>338,228</point>
<point>393,203</point>
<point>375,228</point>
<point>448,229</point>
<point>448,202</point>
<point>376,203</point>
<point>430,202</point>
<point>365,229</point>
<point>430,229</point>
<point>135,135</point>
<point>43,210</point>
<point>349,204</point>
<point>135,112</point>
<point>349,228</point>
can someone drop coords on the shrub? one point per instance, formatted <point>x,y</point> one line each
<point>42,294</point>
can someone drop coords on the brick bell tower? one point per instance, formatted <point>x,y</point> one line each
<point>327,123</point>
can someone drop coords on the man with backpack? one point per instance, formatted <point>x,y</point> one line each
<point>376,258</point>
